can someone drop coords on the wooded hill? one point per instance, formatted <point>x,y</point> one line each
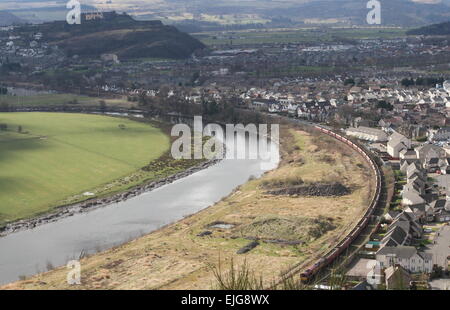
<point>120,34</point>
<point>441,29</point>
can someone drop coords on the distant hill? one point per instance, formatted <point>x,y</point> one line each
<point>432,30</point>
<point>393,12</point>
<point>120,34</point>
<point>8,19</point>
<point>411,13</point>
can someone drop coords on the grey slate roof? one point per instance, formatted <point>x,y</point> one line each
<point>414,197</point>
<point>399,251</point>
<point>425,256</point>
<point>396,234</point>
<point>438,204</point>
<point>396,139</point>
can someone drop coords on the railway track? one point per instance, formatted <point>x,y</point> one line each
<point>357,237</point>
<point>346,247</point>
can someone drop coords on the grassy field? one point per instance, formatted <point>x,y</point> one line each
<point>176,257</point>
<point>58,156</point>
<point>304,35</point>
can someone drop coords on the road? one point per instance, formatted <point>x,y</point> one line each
<point>441,249</point>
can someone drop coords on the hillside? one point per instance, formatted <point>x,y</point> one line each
<point>111,33</point>
<point>432,30</point>
<point>8,19</point>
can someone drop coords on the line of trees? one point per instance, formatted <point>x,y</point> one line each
<point>429,81</point>
<point>4,127</point>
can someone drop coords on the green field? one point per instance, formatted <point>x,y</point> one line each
<point>60,155</point>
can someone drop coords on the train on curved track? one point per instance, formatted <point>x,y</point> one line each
<point>342,246</point>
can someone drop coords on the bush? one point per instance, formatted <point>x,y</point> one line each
<point>282,183</point>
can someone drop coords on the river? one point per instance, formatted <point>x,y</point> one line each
<point>33,251</point>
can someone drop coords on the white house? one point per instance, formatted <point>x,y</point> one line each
<point>367,133</point>
<point>430,151</point>
<point>397,143</point>
<point>407,257</point>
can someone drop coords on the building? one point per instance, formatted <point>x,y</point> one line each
<point>406,256</point>
<point>397,143</point>
<point>430,151</point>
<point>360,269</point>
<point>110,58</point>
<point>437,135</point>
<point>397,278</point>
<point>367,134</point>
<point>412,198</point>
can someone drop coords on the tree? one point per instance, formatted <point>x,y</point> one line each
<point>361,82</point>
<point>349,81</point>
<point>438,272</point>
<point>385,105</point>
<point>4,107</point>
<point>102,104</point>
<point>407,82</point>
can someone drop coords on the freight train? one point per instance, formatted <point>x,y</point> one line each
<point>326,260</point>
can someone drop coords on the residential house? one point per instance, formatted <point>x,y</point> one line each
<point>409,155</point>
<point>414,170</point>
<point>397,142</point>
<point>263,104</point>
<point>444,166</point>
<point>403,228</point>
<point>406,256</point>
<point>391,215</point>
<point>431,164</point>
<point>415,184</point>
<point>368,134</point>
<point>397,234</point>
<point>397,278</point>
<point>436,211</point>
<point>412,199</point>
<point>437,135</point>
<point>429,151</point>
